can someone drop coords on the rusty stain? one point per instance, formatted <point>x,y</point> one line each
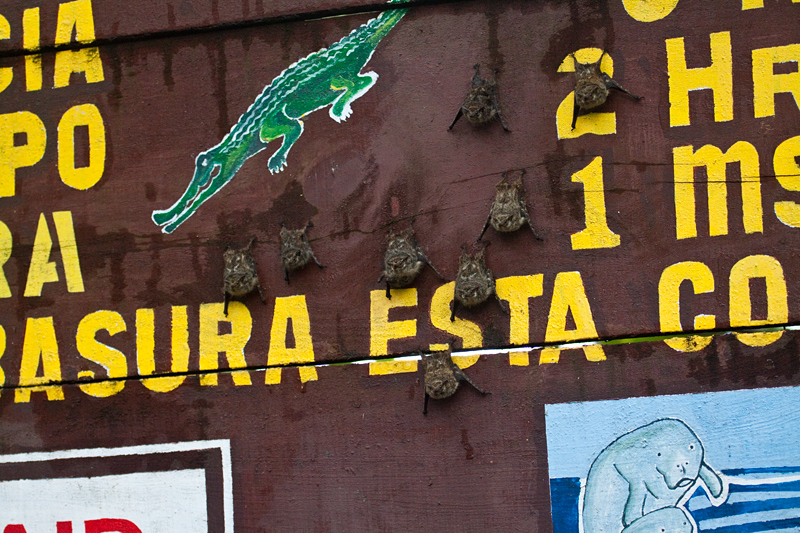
<point>469,451</point>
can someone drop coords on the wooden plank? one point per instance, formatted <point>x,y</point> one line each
<point>354,452</point>
<point>141,20</point>
<point>163,102</point>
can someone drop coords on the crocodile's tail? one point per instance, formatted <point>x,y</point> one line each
<point>379,27</point>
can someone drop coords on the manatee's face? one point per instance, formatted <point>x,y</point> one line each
<point>666,520</point>
<point>678,456</point>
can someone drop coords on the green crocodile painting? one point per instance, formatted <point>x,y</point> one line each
<point>329,77</point>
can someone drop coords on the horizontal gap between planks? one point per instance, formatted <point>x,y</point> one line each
<point>234,25</point>
<point>415,356</point>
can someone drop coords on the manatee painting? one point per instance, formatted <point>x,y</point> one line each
<point>648,469</point>
<point>666,520</point>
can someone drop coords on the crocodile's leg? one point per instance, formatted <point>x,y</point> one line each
<point>284,126</point>
<point>353,89</point>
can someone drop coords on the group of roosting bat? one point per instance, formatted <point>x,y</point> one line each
<point>404,258</point>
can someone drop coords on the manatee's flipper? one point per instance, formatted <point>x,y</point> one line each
<point>712,480</point>
<point>611,84</point>
<point>284,126</point>
<point>634,506</point>
<point>353,89</point>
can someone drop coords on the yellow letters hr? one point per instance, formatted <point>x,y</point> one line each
<point>212,343</point>
<point>76,16</point>
<point>570,296</point>
<point>669,305</point>
<point>42,270</point>
<point>382,331</point>
<point>109,358</point>
<point>718,77</point>
<point>39,345</point>
<point>12,156</point>
<point>766,84</point>
<point>292,308</point>
<point>685,159</point>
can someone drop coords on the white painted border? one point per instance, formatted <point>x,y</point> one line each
<point>224,446</point>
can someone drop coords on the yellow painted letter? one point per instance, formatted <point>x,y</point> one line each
<point>31,42</point>
<point>39,345</point>
<point>718,77</point>
<point>787,171</point>
<point>685,159</point>
<point>145,348</point>
<point>84,177</point>
<point>42,270</point>
<point>6,73</point>
<point>570,296</point>
<point>69,250</point>
<point>292,308</point>
<point>13,157</point>
<point>212,343</point>
<point>597,123</point>
<point>758,266</point>
<point>596,234</point>
<point>5,255</point>
<point>669,305</point>
<point>649,10</point>
<point>766,84</point>
<point>2,351</point>
<point>76,16</point>
<point>382,331</point>
<point>517,290</point>
<point>109,358</point>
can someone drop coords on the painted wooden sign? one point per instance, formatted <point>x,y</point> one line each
<point>615,217</point>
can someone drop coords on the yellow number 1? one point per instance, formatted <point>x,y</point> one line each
<point>597,234</point>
